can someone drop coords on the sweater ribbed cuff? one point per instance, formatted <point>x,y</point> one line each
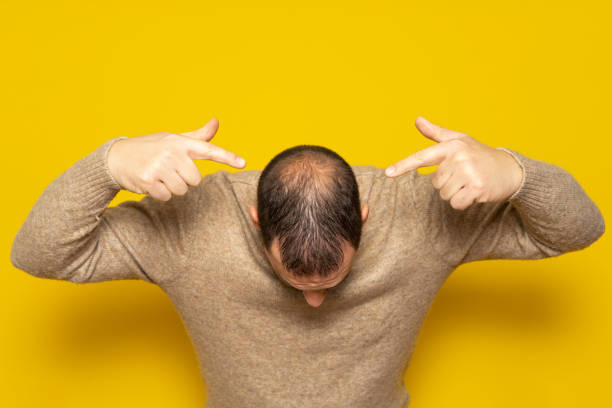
<point>106,148</point>
<point>534,190</point>
<point>92,180</point>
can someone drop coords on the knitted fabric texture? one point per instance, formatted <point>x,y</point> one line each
<point>257,340</point>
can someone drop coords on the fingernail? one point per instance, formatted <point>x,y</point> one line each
<point>241,162</point>
<point>390,171</point>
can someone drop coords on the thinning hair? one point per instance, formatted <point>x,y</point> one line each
<point>308,197</point>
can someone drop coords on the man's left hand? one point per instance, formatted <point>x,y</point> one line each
<point>469,171</point>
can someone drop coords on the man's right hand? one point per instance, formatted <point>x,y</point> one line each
<point>161,164</point>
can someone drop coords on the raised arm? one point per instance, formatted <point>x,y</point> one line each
<point>486,203</point>
<point>72,234</point>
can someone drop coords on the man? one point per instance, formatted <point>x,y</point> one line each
<point>290,297</point>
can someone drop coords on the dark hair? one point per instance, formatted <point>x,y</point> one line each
<point>308,197</point>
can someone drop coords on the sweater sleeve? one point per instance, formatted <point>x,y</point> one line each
<point>550,214</point>
<point>71,234</point>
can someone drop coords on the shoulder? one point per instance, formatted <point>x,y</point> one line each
<point>244,177</point>
<point>369,175</point>
<point>225,190</point>
<point>242,184</point>
<point>371,171</point>
<point>226,179</point>
<point>367,171</point>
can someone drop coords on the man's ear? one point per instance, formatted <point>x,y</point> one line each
<point>365,210</point>
<point>254,217</point>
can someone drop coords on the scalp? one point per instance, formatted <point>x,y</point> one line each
<point>309,174</point>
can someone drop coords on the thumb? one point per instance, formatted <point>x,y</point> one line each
<point>206,132</point>
<point>433,131</point>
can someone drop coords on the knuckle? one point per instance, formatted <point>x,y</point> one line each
<point>153,171</point>
<point>460,157</point>
<point>173,144</point>
<point>166,155</point>
<point>147,178</point>
<point>477,185</point>
<point>481,199</point>
<point>458,144</point>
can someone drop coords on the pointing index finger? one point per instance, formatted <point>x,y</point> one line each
<point>429,156</point>
<point>200,150</point>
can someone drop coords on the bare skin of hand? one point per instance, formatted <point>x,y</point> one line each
<point>468,171</point>
<point>161,164</point>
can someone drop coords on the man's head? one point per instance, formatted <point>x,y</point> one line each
<point>310,216</point>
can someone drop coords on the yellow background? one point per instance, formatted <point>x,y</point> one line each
<point>534,77</point>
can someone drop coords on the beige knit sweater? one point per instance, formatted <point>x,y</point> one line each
<point>258,342</point>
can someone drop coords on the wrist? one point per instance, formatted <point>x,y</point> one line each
<point>112,162</point>
<point>516,175</point>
